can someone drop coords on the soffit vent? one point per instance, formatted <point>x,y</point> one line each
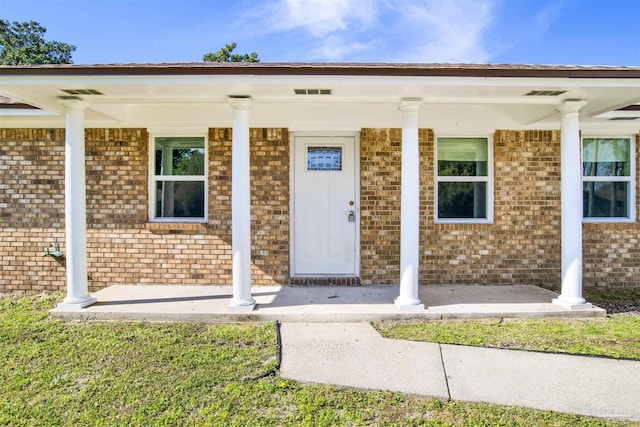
<point>624,118</point>
<point>545,93</point>
<point>312,91</point>
<point>82,92</point>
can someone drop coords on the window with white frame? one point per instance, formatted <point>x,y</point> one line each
<point>178,181</point>
<point>607,178</point>
<point>463,180</point>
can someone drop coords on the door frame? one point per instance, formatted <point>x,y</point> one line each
<point>292,195</point>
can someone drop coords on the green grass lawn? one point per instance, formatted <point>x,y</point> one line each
<point>616,336</point>
<point>56,372</point>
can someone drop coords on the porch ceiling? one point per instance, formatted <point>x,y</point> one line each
<point>452,105</point>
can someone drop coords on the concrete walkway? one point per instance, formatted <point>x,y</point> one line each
<point>320,303</point>
<point>320,346</point>
<point>355,355</point>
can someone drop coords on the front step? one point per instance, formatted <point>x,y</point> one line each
<point>325,281</point>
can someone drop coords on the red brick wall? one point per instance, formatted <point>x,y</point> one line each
<point>31,208</point>
<point>123,248</point>
<point>269,206</point>
<point>521,246</point>
<point>380,182</point>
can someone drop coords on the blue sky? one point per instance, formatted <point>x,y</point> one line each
<point>582,32</point>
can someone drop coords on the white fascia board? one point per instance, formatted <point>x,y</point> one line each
<point>26,112</point>
<point>325,80</point>
<point>322,99</point>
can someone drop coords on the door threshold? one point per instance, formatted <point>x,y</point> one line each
<point>325,281</point>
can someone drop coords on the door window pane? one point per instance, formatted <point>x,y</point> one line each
<point>324,158</point>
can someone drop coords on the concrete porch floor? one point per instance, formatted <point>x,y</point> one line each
<point>320,303</point>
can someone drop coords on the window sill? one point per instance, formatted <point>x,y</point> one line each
<point>176,226</point>
<point>463,221</point>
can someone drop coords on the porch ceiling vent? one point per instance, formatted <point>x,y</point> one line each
<point>312,91</point>
<point>545,93</point>
<point>82,91</point>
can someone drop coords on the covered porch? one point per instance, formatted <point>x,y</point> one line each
<point>320,303</point>
<point>395,183</point>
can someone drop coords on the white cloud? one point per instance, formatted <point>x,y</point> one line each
<point>323,17</point>
<point>444,31</point>
<point>383,30</point>
<point>338,47</point>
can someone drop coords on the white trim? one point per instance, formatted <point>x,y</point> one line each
<point>153,179</point>
<point>489,179</point>
<point>179,131</point>
<point>607,179</point>
<point>333,99</point>
<point>606,220</point>
<point>631,179</point>
<point>26,112</point>
<point>292,163</point>
<point>356,149</point>
<point>292,195</point>
<point>550,82</point>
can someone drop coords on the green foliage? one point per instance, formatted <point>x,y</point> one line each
<point>23,43</point>
<point>225,55</point>
<point>188,161</point>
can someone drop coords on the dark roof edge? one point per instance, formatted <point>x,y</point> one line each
<point>328,69</point>
<point>17,106</point>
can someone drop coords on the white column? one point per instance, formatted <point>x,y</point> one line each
<point>409,208</point>
<point>240,207</point>
<point>571,207</point>
<point>75,211</point>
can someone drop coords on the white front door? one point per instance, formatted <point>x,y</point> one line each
<point>325,214</point>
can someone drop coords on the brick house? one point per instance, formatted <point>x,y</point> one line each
<point>254,174</point>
